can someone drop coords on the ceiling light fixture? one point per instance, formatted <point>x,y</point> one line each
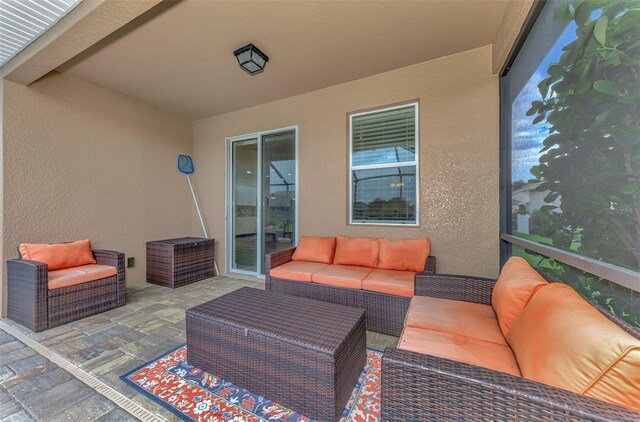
<point>251,58</point>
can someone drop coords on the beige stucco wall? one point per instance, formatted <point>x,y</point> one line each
<point>513,20</point>
<point>459,168</point>
<point>82,161</point>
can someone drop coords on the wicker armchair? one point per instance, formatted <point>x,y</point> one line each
<point>417,386</point>
<point>34,305</point>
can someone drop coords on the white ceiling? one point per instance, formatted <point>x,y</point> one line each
<point>180,57</point>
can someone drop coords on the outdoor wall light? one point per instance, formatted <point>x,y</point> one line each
<point>251,58</point>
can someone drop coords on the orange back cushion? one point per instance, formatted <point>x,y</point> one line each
<point>315,249</point>
<point>563,341</point>
<point>59,255</point>
<point>360,251</point>
<point>513,290</point>
<point>404,254</point>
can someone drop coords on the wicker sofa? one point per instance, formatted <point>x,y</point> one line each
<point>385,311</point>
<point>40,298</point>
<point>428,382</point>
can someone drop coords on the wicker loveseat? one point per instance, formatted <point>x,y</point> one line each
<point>562,358</point>
<point>49,289</point>
<point>378,275</point>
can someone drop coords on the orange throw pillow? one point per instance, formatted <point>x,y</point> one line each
<point>563,341</point>
<point>513,290</point>
<point>404,254</point>
<point>360,251</point>
<point>315,249</point>
<point>59,255</point>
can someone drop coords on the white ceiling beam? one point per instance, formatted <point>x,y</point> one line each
<point>84,26</point>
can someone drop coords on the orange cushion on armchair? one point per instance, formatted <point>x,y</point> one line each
<point>59,255</point>
<point>78,275</point>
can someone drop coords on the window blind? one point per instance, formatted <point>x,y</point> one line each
<point>385,129</point>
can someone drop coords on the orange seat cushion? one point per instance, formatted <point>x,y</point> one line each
<point>297,270</point>
<point>460,348</point>
<point>516,285</point>
<point>404,254</point>
<point>399,283</point>
<point>360,251</point>
<point>563,341</point>
<point>341,276</point>
<point>78,275</point>
<point>315,249</point>
<point>472,320</point>
<point>59,255</point>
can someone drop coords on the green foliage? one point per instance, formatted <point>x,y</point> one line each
<point>543,223</point>
<point>395,209</point>
<point>562,239</point>
<point>600,30</point>
<point>591,156</point>
<point>518,184</point>
<point>617,299</point>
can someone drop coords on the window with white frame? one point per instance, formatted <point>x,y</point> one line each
<point>383,163</point>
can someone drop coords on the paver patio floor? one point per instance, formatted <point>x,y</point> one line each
<point>151,323</point>
<point>34,388</point>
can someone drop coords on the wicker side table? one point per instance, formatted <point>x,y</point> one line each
<point>301,353</point>
<point>178,262</point>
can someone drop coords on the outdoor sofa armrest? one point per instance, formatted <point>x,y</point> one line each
<point>455,287</point>
<point>278,258</point>
<point>416,386</point>
<point>27,283</point>
<point>113,259</point>
<point>430,265</point>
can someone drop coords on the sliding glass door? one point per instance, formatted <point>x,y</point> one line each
<point>262,192</point>
<point>244,202</point>
<point>278,191</point>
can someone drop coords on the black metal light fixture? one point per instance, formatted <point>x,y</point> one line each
<point>251,58</point>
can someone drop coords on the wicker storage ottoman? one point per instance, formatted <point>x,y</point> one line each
<point>178,262</point>
<point>304,354</point>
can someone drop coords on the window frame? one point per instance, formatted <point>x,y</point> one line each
<point>415,162</point>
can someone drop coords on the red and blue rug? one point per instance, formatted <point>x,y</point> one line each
<point>195,395</point>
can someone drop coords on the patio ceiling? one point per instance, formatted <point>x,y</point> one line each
<point>181,59</point>
<point>24,21</point>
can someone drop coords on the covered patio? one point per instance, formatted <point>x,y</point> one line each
<point>333,150</point>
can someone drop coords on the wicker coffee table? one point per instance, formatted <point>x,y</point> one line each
<point>301,353</point>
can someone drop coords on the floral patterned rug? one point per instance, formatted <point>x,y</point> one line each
<point>195,395</point>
